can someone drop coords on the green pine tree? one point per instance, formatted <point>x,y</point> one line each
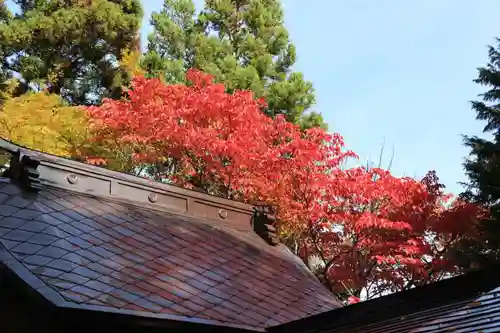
<point>243,43</point>
<point>69,47</point>
<point>5,75</point>
<point>483,167</point>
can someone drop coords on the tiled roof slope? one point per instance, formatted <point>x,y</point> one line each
<point>469,303</point>
<point>92,252</point>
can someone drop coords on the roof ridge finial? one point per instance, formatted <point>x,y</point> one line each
<point>264,224</point>
<point>23,168</point>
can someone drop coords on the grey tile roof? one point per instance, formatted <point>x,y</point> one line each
<point>92,252</point>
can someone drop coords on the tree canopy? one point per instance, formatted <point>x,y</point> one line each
<point>243,43</point>
<point>483,167</point>
<point>44,122</point>
<point>71,48</point>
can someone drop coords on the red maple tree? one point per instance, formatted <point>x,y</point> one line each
<point>359,229</point>
<point>390,234</point>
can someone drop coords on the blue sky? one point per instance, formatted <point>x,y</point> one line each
<point>397,73</point>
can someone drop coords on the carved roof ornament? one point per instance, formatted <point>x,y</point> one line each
<point>264,224</point>
<point>23,169</point>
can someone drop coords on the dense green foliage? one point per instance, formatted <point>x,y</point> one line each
<point>5,16</point>
<point>483,167</point>
<point>243,43</point>
<point>70,48</point>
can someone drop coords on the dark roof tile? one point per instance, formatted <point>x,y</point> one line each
<point>50,230</point>
<point>229,310</point>
<point>192,306</point>
<point>18,201</point>
<point>74,215</point>
<point>92,223</point>
<point>163,302</point>
<point>61,217</point>
<point>84,290</point>
<point>96,266</point>
<point>11,222</point>
<point>111,248</point>
<point>18,235</point>
<point>89,255</point>
<point>49,219</point>
<point>19,256</point>
<point>3,197</point>
<point>83,227</point>
<point>59,283</point>
<point>52,252</point>
<point>27,248</point>
<point>280,318</point>
<point>101,252</point>
<point>213,314</point>
<point>133,257</point>
<point>82,211</point>
<point>124,295</point>
<point>148,305</point>
<point>92,240</point>
<point>88,273</point>
<point>147,286</point>
<point>142,239</point>
<point>107,299</point>
<point>61,264</point>
<point>6,210</point>
<point>42,239</point>
<point>68,228</point>
<point>74,296</point>
<point>49,272</point>
<point>76,258</point>
<point>165,293</point>
<point>35,226</point>
<point>98,234</point>
<point>124,278</point>
<point>10,189</point>
<point>75,278</point>
<point>37,260</point>
<point>111,281</point>
<point>40,207</point>
<point>64,244</point>
<point>62,202</point>
<point>79,242</point>
<point>99,286</point>
<point>27,214</point>
<point>135,274</point>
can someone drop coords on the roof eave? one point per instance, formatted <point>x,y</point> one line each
<point>92,313</point>
<point>460,288</point>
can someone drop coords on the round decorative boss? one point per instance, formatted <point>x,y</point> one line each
<point>72,178</point>
<point>153,197</point>
<point>223,213</point>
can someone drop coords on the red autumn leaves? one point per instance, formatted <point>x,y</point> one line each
<point>365,226</point>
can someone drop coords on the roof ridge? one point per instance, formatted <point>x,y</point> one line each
<point>63,173</point>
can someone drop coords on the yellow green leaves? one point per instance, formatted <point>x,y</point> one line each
<point>130,62</point>
<point>43,122</point>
